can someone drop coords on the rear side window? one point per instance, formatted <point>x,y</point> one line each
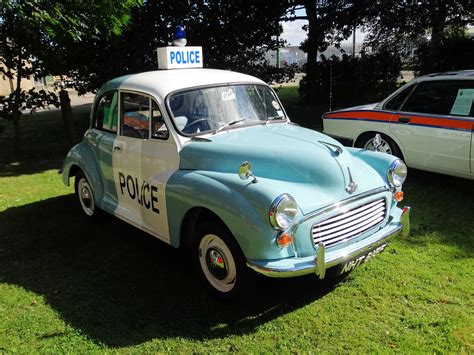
<point>106,114</point>
<point>449,97</point>
<point>397,101</point>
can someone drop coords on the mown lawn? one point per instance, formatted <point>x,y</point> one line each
<point>70,285</point>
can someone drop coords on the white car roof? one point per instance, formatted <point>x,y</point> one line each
<point>452,75</point>
<point>162,82</point>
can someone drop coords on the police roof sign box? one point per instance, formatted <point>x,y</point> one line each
<point>179,57</point>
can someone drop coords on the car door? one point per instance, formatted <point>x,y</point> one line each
<point>101,137</point>
<point>434,125</point>
<point>144,157</point>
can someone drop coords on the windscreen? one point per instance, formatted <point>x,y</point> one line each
<point>213,108</point>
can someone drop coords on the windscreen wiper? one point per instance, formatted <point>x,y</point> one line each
<point>280,117</point>
<point>231,123</point>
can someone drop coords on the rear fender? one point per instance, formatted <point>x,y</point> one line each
<point>82,156</point>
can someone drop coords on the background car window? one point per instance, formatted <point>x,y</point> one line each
<point>159,129</point>
<point>106,113</point>
<point>135,115</point>
<point>397,101</point>
<point>447,97</point>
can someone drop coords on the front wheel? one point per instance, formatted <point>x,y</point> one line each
<point>220,261</point>
<point>387,145</point>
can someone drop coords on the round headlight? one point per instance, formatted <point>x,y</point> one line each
<point>397,173</point>
<point>283,211</point>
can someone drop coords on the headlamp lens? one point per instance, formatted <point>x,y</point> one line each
<point>397,173</point>
<point>283,211</point>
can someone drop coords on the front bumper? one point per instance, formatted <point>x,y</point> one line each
<point>325,258</point>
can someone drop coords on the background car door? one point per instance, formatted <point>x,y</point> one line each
<point>102,137</point>
<point>144,157</point>
<point>434,125</point>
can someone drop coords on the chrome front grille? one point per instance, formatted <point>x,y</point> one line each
<point>349,224</point>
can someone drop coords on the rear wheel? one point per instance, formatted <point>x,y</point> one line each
<point>387,145</point>
<point>85,195</point>
<point>220,261</point>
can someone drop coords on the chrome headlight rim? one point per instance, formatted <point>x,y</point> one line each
<point>395,179</point>
<point>285,197</point>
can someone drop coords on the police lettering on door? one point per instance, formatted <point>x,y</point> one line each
<point>145,194</point>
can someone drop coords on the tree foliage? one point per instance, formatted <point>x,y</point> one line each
<point>349,80</point>
<point>329,22</point>
<point>31,32</point>
<point>456,53</point>
<point>234,35</point>
<point>402,23</point>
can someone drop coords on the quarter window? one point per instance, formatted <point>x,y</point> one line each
<point>449,97</point>
<point>106,113</point>
<point>395,102</point>
<point>159,129</point>
<point>135,115</point>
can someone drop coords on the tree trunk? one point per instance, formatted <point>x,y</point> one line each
<point>311,68</point>
<point>18,146</point>
<point>66,115</point>
<point>438,20</point>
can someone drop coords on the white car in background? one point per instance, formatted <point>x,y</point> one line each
<point>428,122</point>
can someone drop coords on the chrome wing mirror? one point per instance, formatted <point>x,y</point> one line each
<point>245,171</point>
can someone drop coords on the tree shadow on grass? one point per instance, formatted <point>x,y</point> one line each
<point>122,287</point>
<point>28,167</point>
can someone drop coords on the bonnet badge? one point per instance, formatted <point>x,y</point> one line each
<point>352,186</point>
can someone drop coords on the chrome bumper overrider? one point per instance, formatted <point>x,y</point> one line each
<point>324,259</point>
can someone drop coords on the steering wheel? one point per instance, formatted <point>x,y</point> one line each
<point>186,129</point>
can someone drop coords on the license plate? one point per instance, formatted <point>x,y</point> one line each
<point>352,264</point>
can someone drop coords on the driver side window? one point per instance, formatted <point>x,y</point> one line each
<point>136,115</point>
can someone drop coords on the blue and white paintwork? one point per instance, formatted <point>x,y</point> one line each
<point>193,175</point>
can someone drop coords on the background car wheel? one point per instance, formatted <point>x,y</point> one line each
<point>388,146</point>
<point>220,261</point>
<point>85,195</point>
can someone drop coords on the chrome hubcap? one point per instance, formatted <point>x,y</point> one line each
<point>85,197</point>
<point>384,146</point>
<point>215,263</point>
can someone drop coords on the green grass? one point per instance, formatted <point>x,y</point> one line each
<point>69,285</point>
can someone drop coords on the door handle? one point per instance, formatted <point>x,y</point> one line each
<point>117,148</point>
<point>404,119</point>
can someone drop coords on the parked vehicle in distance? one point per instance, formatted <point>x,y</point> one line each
<point>429,123</point>
<point>208,159</point>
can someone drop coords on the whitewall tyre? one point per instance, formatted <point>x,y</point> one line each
<point>85,195</point>
<point>220,261</point>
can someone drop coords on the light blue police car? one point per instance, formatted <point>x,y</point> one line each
<point>208,159</point>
